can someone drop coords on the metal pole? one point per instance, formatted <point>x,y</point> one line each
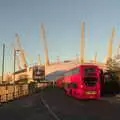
<point>14,63</point>
<point>3,63</point>
<point>14,73</point>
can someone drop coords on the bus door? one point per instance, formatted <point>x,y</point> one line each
<point>75,80</point>
<point>67,79</point>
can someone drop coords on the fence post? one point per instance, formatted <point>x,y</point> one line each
<point>6,98</point>
<point>0,100</point>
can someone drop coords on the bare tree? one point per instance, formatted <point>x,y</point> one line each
<point>113,64</point>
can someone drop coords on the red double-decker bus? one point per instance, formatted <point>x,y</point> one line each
<point>82,82</point>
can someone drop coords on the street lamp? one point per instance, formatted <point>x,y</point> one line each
<point>3,63</point>
<point>15,52</point>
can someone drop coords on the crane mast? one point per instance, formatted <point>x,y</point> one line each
<point>18,62</point>
<point>22,54</point>
<point>17,58</point>
<point>43,34</point>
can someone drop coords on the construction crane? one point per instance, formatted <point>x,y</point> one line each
<point>110,46</point>
<point>43,34</point>
<point>18,62</point>
<point>82,45</point>
<point>30,58</point>
<point>17,57</point>
<point>22,54</point>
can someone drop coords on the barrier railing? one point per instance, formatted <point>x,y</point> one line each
<point>13,92</point>
<point>16,91</point>
<point>12,96</point>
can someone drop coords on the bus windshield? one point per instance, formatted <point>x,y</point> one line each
<point>89,70</point>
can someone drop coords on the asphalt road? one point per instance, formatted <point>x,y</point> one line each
<point>67,108</point>
<point>58,106</point>
<point>28,108</point>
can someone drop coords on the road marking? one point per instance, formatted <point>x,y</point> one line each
<point>49,109</point>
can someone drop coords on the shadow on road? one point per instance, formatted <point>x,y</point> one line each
<point>112,88</point>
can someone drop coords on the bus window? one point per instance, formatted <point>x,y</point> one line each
<point>88,70</point>
<point>67,85</point>
<point>76,71</point>
<point>69,73</point>
<point>74,85</point>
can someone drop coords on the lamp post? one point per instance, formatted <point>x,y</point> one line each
<point>3,63</point>
<point>15,52</point>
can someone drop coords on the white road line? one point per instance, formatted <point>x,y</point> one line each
<point>49,109</point>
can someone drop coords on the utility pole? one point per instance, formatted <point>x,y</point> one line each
<point>3,63</point>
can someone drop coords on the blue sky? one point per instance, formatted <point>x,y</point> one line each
<point>62,19</point>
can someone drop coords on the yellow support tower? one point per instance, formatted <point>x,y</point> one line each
<point>82,45</point>
<point>110,46</point>
<point>39,60</point>
<point>43,34</point>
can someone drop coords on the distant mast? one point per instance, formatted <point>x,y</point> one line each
<point>82,45</point>
<point>110,46</point>
<point>43,34</point>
